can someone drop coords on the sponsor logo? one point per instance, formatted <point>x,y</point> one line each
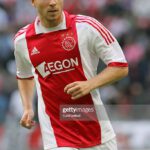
<point>57,67</point>
<point>68,43</point>
<point>34,51</point>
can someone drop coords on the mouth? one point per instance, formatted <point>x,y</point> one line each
<point>53,11</point>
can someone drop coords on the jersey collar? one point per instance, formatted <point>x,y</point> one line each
<point>65,24</point>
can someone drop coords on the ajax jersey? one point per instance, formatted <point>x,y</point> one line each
<point>58,56</point>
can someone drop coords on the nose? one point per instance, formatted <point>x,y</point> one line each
<point>52,2</point>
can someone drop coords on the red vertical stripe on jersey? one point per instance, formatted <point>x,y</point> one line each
<point>72,133</point>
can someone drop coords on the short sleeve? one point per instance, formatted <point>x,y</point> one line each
<point>23,64</point>
<point>105,45</point>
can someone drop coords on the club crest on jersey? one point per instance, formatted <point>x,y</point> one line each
<point>68,43</point>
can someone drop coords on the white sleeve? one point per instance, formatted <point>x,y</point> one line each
<point>23,64</point>
<point>105,46</point>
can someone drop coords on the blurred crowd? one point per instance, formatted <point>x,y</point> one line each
<point>129,22</point>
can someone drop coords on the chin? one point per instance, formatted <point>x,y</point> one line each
<point>54,17</point>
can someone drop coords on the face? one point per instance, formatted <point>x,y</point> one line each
<point>50,11</point>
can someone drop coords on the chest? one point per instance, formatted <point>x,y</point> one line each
<point>55,46</point>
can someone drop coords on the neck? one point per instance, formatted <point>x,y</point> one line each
<point>51,23</point>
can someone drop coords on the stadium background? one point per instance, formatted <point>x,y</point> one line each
<point>129,21</point>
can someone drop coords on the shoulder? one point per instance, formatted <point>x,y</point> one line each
<point>95,27</point>
<point>21,35</point>
<point>86,26</point>
<point>84,18</point>
<point>90,24</point>
<point>20,41</point>
<point>88,21</point>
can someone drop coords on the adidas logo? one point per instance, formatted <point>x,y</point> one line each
<point>34,51</point>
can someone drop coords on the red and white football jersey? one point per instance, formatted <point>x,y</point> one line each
<point>61,55</point>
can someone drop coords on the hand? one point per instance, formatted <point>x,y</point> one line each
<point>27,119</point>
<point>78,89</point>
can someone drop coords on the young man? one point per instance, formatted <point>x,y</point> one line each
<point>61,51</point>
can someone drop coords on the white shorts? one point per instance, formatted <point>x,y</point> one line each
<point>110,145</point>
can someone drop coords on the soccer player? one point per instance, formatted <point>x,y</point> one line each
<point>60,52</point>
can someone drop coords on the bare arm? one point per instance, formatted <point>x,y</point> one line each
<point>26,89</point>
<point>107,76</point>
